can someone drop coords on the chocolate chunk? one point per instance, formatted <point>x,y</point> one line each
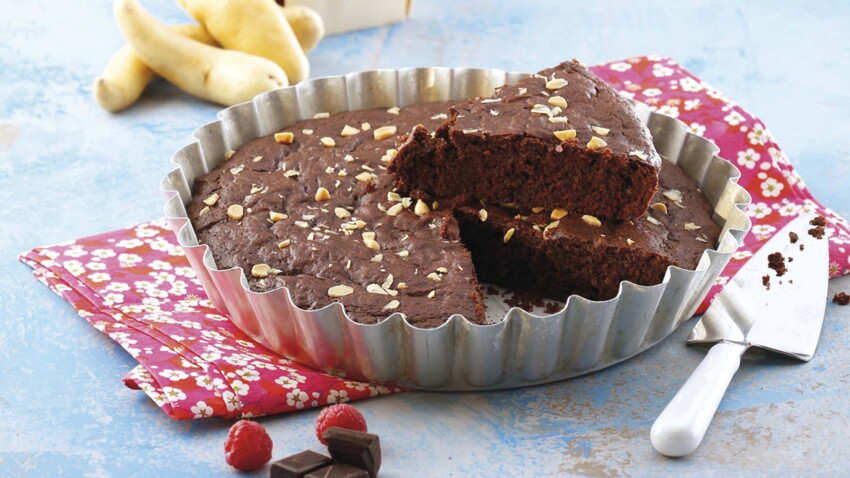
<point>359,449</point>
<point>299,464</point>
<point>841,298</point>
<point>776,262</point>
<point>793,236</point>
<point>340,470</point>
<point>765,281</point>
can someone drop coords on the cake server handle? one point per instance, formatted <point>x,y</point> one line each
<point>679,429</point>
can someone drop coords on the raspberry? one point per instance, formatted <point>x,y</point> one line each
<point>248,446</point>
<point>340,415</point>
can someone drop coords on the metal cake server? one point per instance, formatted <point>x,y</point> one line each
<point>786,318</point>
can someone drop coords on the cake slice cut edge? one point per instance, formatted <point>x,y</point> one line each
<point>562,138</point>
<point>555,254</point>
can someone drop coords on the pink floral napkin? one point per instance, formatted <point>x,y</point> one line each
<point>136,286</point>
<point>779,194</point>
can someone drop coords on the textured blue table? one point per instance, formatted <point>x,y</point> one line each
<point>68,169</point>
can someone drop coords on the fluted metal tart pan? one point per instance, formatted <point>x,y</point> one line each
<point>519,347</point>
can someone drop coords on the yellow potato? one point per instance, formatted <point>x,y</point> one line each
<point>222,76</point>
<point>257,27</point>
<point>306,24</point>
<point>126,76</point>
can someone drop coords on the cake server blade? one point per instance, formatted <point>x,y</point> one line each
<point>785,317</point>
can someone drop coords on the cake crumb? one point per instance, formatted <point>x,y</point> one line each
<point>524,299</point>
<point>776,262</point>
<point>793,236</point>
<point>841,298</point>
<point>551,307</point>
<point>765,281</point>
<point>818,231</point>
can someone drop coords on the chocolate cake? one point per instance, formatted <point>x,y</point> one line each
<point>560,139</point>
<point>557,253</point>
<point>313,209</point>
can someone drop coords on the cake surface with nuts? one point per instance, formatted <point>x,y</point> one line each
<point>326,223</point>
<point>316,213</point>
<point>562,138</point>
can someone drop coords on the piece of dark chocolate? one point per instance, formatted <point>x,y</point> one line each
<point>359,449</point>
<point>299,464</point>
<point>340,470</point>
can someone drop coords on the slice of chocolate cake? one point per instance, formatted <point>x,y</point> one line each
<point>559,139</point>
<point>556,254</point>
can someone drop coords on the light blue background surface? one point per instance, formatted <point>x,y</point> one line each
<point>69,169</point>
